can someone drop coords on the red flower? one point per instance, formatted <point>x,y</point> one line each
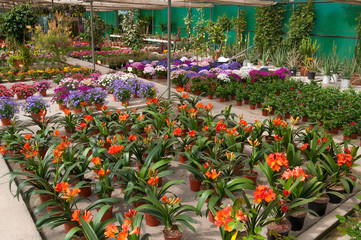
<point>305,146</point>
<point>263,193</point>
<point>88,118</point>
<point>132,137</point>
<point>177,131</point>
<point>115,149</point>
<point>343,158</point>
<point>220,126</point>
<point>192,133</point>
<point>276,161</point>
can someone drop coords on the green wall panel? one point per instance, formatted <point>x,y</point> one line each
<point>335,22</point>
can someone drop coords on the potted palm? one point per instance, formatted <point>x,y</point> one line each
<point>170,212</point>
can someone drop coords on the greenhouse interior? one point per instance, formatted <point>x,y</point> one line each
<point>180,119</point>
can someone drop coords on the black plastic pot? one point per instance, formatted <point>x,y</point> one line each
<point>297,222</point>
<point>319,206</point>
<point>311,75</point>
<point>333,198</point>
<point>275,232</point>
<point>271,236</point>
<point>293,72</point>
<point>351,185</point>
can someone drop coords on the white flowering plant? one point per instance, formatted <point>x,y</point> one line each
<point>222,77</point>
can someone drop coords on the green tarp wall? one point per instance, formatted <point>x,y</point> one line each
<point>334,22</point>
<point>110,18</point>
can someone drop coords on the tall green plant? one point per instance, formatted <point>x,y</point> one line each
<point>99,27</point>
<point>300,25</point>
<point>134,35</point>
<point>269,31</point>
<point>240,24</point>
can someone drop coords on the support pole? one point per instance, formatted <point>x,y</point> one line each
<point>92,32</point>
<point>169,45</point>
<point>152,22</point>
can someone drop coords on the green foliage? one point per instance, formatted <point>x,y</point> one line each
<point>56,39</point>
<point>269,33</point>
<point>133,32</point>
<point>198,38</point>
<point>16,21</point>
<point>300,25</point>
<point>240,24</point>
<point>308,48</point>
<point>351,225</point>
<point>100,27</point>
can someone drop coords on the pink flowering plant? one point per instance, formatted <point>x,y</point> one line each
<point>42,85</point>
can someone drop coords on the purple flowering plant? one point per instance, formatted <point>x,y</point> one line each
<point>8,107</point>
<point>96,95</point>
<point>75,98</point>
<point>34,104</point>
<point>42,85</point>
<point>148,90</point>
<point>122,91</point>
<point>60,94</point>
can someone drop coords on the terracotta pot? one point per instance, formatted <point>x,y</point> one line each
<point>36,115</point>
<point>42,152</point>
<point>197,92</point>
<point>278,94</point>
<point>269,139</point>
<point>334,130</point>
<point>246,101</point>
<point>252,106</point>
<point>108,214</point>
<point>178,235</point>
<point>98,106</point>
<point>238,169</point>
<point>354,136</point>
<point>6,121</point>
<point>179,85</point>
<point>304,71</point>
<point>287,115</point>
<point>239,103</point>
<point>210,96</point>
<point>62,106</point>
<point>69,225</point>
<point>86,191</point>
<point>233,97</point>
<point>43,93</point>
<point>125,103</point>
<point>210,217</point>
<point>226,99</point>
<point>195,184</point>
<point>150,220</point>
<point>346,138</point>
<point>44,197</point>
<point>18,96</point>
<point>136,95</point>
<point>55,208</point>
<point>279,117</point>
<point>78,110</point>
<point>188,89</point>
<point>272,112</point>
<point>252,176</point>
<point>182,158</point>
<point>259,105</point>
<point>264,113</point>
<point>138,203</point>
<point>305,119</point>
<point>221,100</point>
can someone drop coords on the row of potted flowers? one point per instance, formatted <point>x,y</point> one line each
<point>302,166</point>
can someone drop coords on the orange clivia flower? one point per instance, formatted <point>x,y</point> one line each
<point>104,108</point>
<point>213,174</point>
<point>277,122</point>
<point>305,146</point>
<point>177,132</point>
<point>192,133</point>
<point>141,117</point>
<point>62,187</point>
<point>286,193</point>
<point>130,214</point>
<point>83,124</point>
<point>232,132</point>
<point>185,95</point>
<point>132,137</point>
<point>88,118</point>
<point>123,117</point>
<point>296,173</point>
<point>87,216</point>
<point>67,111</point>
<point>96,161</point>
<point>153,181</point>
<point>263,193</point>
<point>55,134</point>
<point>180,89</point>
<point>208,107</point>
<point>135,231</point>
<point>284,124</point>
<point>83,103</point>
<point>205,129</point>
<point>70,194</point>
<point>243,123</point>
<point>344,158</point>
<point>115,149</point>
<point>102,173</point>
<point>276,161</point>
<point>110,230</point>
<point>223,217</point>
<point>75,216</point>
<point>3,150</point>
<point>28,136</point>
<point>183,107</point>
<point>170,201</point>
<point>220,126</point>
<point>200,105</point>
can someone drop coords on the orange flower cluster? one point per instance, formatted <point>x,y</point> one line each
<point>263,193</point>
<point>278,138</point>
<point>59,150</point>
<point>123,117</point>
<point>88,118</point>
<point>243,123</point>
<point>183,107</point>
<point>232,132</point>
<point>180,89</point>
<point>220,126</point>
<point>68,194</point>
<point>29,151</point>
<point>185,95</point>
<point>86,216</point>
<point>141,117</point>
<point>224,216</point>
<point>111,230</point>
<point>96,161</point>
<point>101,172</point>
<point>150,101</point>
<point>153,181</point>
<point>344,158</point>
<point>67,111</point>
<point>170,201</point>
<point>305,146</point>
<point>213,174</point>
<point>322,140</point>
<point>276,161</point>
<point>295,173</point>
<point>177,132</point>
<point>192,133</point>
<point>55,134</point>
<point>115,149</point>
<point>3,150</point>
<point>132,137</point>
<point>193,112</point>
<point>83,103</point>
<point>208,107</point>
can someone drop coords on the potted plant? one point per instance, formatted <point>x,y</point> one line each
<point>313,67</point>
<point>292,62</point>
<point>148,90</point>
<point>349,67</point>
<point>123,92</point>
<point>97,96</point>
<point>75,100</point>
<point>170,212</point>
<point>60,94</point>
<point>325,69</point>
<point>307,51</point>
<point>8,108</point>
<point>42,86</point>
<point>36,106</point>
